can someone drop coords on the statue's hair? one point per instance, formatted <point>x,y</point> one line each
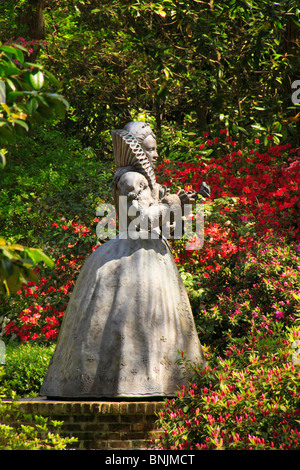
<point>128,151</point>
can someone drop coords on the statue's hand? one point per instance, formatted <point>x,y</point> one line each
<point>187,197</point>
<point>164,191</point>
<point>204,190</point>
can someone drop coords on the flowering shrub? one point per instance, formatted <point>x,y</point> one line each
<point>260,289</point>
<point>38,308</point>
<point>249,401</point>
<point>250,186</point>
<point>244,285</point>
<point>248,268</point>
<point>31,45</point>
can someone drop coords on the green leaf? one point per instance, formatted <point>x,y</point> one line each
<point>2,157</point>
<point>7,266</point>
<point>52,79</point>
<point>259,127</point>
<point>11,84</point>
<point>9,70</point>
<point>14,282</point>
<point>36,80</point>
<point>37,255</point>
<point>16,52</point>
<point>31,64</point>
<point>22,123</point>
<point>22,48</point>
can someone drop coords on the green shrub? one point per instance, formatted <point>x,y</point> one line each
<point>69,184</point>
<point>23,431</point>
<point>19,431</point>
<point>26,366</point>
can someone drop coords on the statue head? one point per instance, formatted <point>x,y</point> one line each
<point>144,135</point>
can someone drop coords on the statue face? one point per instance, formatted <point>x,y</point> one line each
<point>149,147</point>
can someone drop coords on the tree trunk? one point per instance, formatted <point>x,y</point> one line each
<point>32,19</point>
<point>291,47</point>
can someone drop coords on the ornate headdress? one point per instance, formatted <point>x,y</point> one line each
<point>128,151</point>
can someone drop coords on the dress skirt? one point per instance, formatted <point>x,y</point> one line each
<point>127,318</point>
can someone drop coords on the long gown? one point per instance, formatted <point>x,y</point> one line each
<point>127,318</point>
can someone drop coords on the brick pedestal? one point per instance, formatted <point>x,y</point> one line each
<point>101,425</point>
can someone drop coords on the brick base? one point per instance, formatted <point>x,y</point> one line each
<point>101,425</point>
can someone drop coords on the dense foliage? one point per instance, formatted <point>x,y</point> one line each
<point>25,368</point>
<point>246,401</point>
<point>217,88</point>
<point>21,376</point>
<point>25,96</point>
<point>189,64</point>
<point>21,431</point>
<point>27,93</point>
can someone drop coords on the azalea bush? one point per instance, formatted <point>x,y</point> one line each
<point>244,285</point>
<point>251,234</point>
<point>248,400</point>
<point>36,312</point>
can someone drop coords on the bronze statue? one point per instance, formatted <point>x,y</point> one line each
<point>129,313</point>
